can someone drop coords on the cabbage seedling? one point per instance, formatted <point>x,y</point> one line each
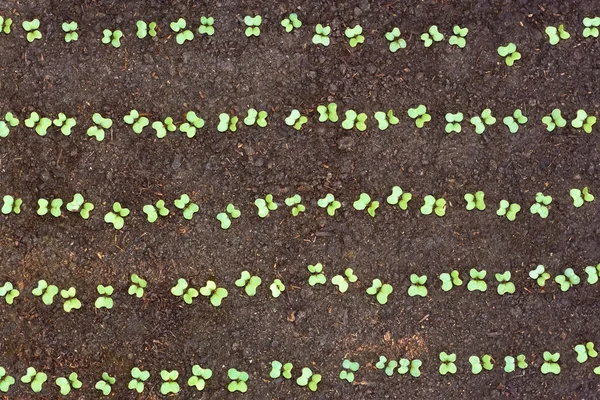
<point>296,120</point>
<point>5,25</point>
<point>540,275</point>
<point>277,287</point>
<point>279,369</point>
<point>169,384</point>
<point>101,124</point>
<point>116,217</point>
<point>509,53</point>
<point>509,210</point>
<point>417,287</point>
<point>399,197</point>
<point>70,29</point>
<point>291,22</point>
<point>453,122</point>
<point>238,380</point>
<point>138,377</point>
<point>47,292</point>
<point>540,206</point>
<point>71,302</point>
<point>105,300</point>
<point>317,277</point>
<point>227,121</point>
<point>199,377</point>
<point>80,205</point>
<point>330,203</point>
<point>411,366</point>
<point>432,35</point>
<point>11,205</point>
<point>475,201</point>
<point>349,368</point>
<point>112,37</point>
<point>395,41</point>
<point>388,366</point>
<point>256,117</point>
<point>265,205</point>
<point>194,122</point>
<point>431,204</point>
<point>513,121</point>
<point>342,281</point>
<point>321,35</point>
<point>458,39</point>
<point>380,290</point>
<point>477,280</point>
<point>137,286</point>
<point>32,29</point>
<point>510,364</point>
<point>64,123</point>
<point>480,121</point>
<point>308,378</point>
<point>583,121</point>
<point>182,289</point>
<point>591,27</point>
<point>184,203</point>
<point>9,121</point>
<point>384,120</point>
<point>35,378</point>
<point>40,124</point>
<point>154,211</point>
<point>353,119</point>
<point>137,122</point>
<point>567,280</point>
<point>66,384</point>
<point>296,203</point>
<point>355,35</point>
<point>449,280</point>
<point>419,114</point>
<point>105,384</point>
<point>448,365</point>
<point>581,196</point>
<point>555,34</point>
<point>249,282</point>
<point>364,202</point>
<point>182,33</point>
<point>550,365</point>
<point>554,120</point>
<point>504,283</point>
<point>206,26</point>
<point>54,208</point>
<point>216,294</point>
<point>223,218</point>
<point>162,127</point>
<point>479,364</point>
<point>584,351</point>
<point>6,381</point>
<point>593,274</point>
<point>9,292</point>
<point>252,25</point>
<point>144,29</point>
<point>328,113</point>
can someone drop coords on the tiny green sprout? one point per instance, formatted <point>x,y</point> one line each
<point>32,29</point>
<point>194,122</point>
<point>138,377</point>
<point>279,369</point>
<point>252,25</point>
<point>265,205</point>
<point>64,123</point>
<point>291,22</point>
<point>296,120</point>
<point>104,301</point>
<point>47,292</point>
<point>66,384</point>
<point>116,217</point>
<point>593,273</point>
<point>206,26</point>
<point>9,292</point>
<point>80,205</point>
<point>9,121</point>
<point>540,275</point>
<point>137,286</point>
<point>101,124</point>
<point>355,35</point>
<point>453,122</point>
<point>71,302</point>
<point>513,121</point>
<point>227,121</point>
<point>364,202</point>
<point>162,127</point>
<point>296,203</point>
<point>510,53</point>
<point>5,25</point>
<point>555,34</point>
<point>388,366</point>
<point>479,364</point>
<point>11,205</point>
<point>475,201</point>
<point>182,289</point>
<point>584,351</point>
<point>238,380</point>
<point>477,281</point>
<point>36,379</point>
<point>508,209</point>
<point>550,364</point>
<point>154,211</point>
<point>144,29</point>
<point>431,204</point>
<point>504,283</point>
<point>581,196</point>
<point>307,378</point>
<point>419,114</point>
<point>41,124</point>
<point>328,112</point>
<point>223,217</point>
<point>458,39</point>
<point>480,121</point>
<point>256,117</point>
<point>321,35</point>
<point>54,209</point>
<point>330,203</point>
<point>417,287</point>
<point>6,381</point>
<point>583,121</point>
<point>353,119</point>
<point>350,367</point>
<point>396,42</point>
<point>554,120</point>
<point>510,364</point>
<point>216,294</point>
<point>317,277</point>
<point>449,280</point>
<point>567,280</point>
<point>249,282</point>
<point>169,384</point>
<point>432,35</point>
<point>277,287</point>
<point>182,33</point>
<point>380,290</point>
<point>384,120</point>
<point>342,281</point>
<point>137,122</point>
<point>410,366</point>
<point>105,384</point>
<point>596,371</point>
<point>399,197</point>
<point>540,206</point>
<point>199,377</point>
<point>70,29</point>
<point>112,37</point>
<point>184,203</point>
<point>591,27</point>
<point>448,365</point>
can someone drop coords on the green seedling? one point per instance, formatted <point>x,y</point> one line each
<point>355,35</point>
<point>265,205</point>
<point>540,275</point>
<point>105,384</point>
<point>137,122</point>
<point>40,124</point>
<point>591,26</point>
<point>513,121</point>
<point>227,121</point>
<point>252,25</point>
<point>6,381</point>
<point>36,379</point>
<point>223,217</point>
<point>347,374</point>
<point>199,377</point>
<point>238,380</point>
<point>384,120</point>
<point>448,365</point>
<point>449,280</point>
<point>395,41</point>
<point>479,364</point>
<point>32,29</point>
<point>169,384</point>
<point>453,122</point>
<point>353,119</point>
<point>458,39</point>
<point>296,203</point>
<point>431,204</point>
<point>116,217</point>
<point>583,121</point>
<point>509,210</point>
<point>364,202</point>
<point>342,281</point>
<point>540,206</point>
<point>581,196</point>
<point>328,113</point>
<point>510,53</point>
<point>194,122</point>
<point>216,294</point>
<point>317,277</point>
<point>182,289</point>
<point>47,292</point>
<point>154,211</point>
<point>567,280</point>
<point>388,366</point>
<point>321,35</point>
<point>249,282</point>
<point>510,364</point>
<point>417,287</point>
<point>554,120</point>
<point>308,378</point>
<point>480,121</point>
<point>101,124</point>
<point>593,273</point>
<point>277,287</point>
<point>256,117</point>
<point>432,35</point>
<point>182,33</point>
<point>112,37</point>
<point>5,25</point>
<point>104,301</point>
<point>477,281</point>
<point>475,201</point>
<point>138,377</point>
<point>279,369</point>
<point>184,203</point>
<point>54,209</point>
<point>504,283</point>
<point>296,120</point>
<point>419,114</point>
<point>71,302</point>
<point>145,29</point>
<point>550,365</point>
<point>70,29</point>
<point>66,384</point>
<point>291,22</point>
<point>64,123</point>
<point>409,366</point>
<point>330,203</point>
<point>380,290</point>
<point>11,205</point>
<point>137,286</point>
<point>399,197</point>
<point>162,127</point>
<point>555,34</point>
<point>9,121</point>
<point>206,26</point>
<point>584,351</point>
<point>9,292</point>
<point>80,205</point>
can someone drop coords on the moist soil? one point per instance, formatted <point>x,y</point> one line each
<point>315,327</point>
